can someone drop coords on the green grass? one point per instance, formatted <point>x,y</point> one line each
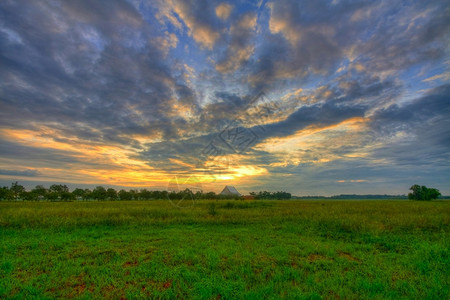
<point>225,250</point>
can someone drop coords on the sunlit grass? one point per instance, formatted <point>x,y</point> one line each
<point>225,249</point>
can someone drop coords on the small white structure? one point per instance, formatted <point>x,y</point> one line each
<point>230,190</point>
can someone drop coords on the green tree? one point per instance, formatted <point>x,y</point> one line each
<point>144,194</point>
<point>422,193</point>
<point>124,195</point>
<point>134,194</point>
<point>79,193</point>
<point>59,192</point>
<point>58,188</point>
<point>210,195</point>
<point>87,194</point>
<point>39,191</point>
<point>6,194</point>
<point>16,189</point>
<point>432,193</point>
<point>67,196</point>
<point>99,193</point>
<point>111,194</point>
<point>28,196</point>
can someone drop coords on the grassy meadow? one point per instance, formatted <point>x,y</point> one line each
<point>225,250</point>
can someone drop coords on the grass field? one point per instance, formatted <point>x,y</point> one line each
<point>225,250</point>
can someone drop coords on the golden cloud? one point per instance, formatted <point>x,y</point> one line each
<point>223,11</point>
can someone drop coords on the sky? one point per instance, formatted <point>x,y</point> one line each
<point>309,97</point>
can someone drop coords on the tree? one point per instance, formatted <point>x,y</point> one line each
<point>99,193</point>
<point>145,194</point>
<point>39,191</point>
<point>134,194</point>
<point>67,196</point>
<point>6,194</point>
<point>58,188</point>
<point>28,196</point>
<point>87,194</point>
<point>433,193</point>
<point>210,195</point>
<point>16,189</point>
<point>422,193</point>
<point>59,192</point>
<point>111,194</point>
<point>79,193</point>
<point>124,195</point>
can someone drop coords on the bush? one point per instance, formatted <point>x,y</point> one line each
<point>212,209</point>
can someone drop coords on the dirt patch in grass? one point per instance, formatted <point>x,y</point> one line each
<point>130,264</point>
<point>332,295</point>
<point>79,288</point>
<point>167,284</point>
<point>348,256</point>
<point>315,257</point>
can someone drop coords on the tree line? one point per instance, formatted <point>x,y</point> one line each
<point>271,195</point>
<point>61,192</point>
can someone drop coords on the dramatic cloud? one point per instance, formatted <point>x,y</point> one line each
<point>312,96</point>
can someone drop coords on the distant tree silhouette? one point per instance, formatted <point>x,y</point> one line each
<point>6,194</point>
<point>124,195</point>
<point>79,193</point>
<point>269,195</point>
<point>16,189</point>
<point>111,194</point>
<point>422,193</point>
<point>99,193</point>
<point>39,191</point>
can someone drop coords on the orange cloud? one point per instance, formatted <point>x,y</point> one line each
<point>116,164</point>
<point>317,145</point>
<point>223,11</point>
<point>95,162</point>
<point>239,56</point>
<point>165,43</point>
<point>352,181</point>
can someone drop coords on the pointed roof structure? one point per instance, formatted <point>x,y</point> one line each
<point>230,190</point>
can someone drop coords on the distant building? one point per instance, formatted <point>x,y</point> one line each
<point>230,190</point>
<point>249,197</point>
